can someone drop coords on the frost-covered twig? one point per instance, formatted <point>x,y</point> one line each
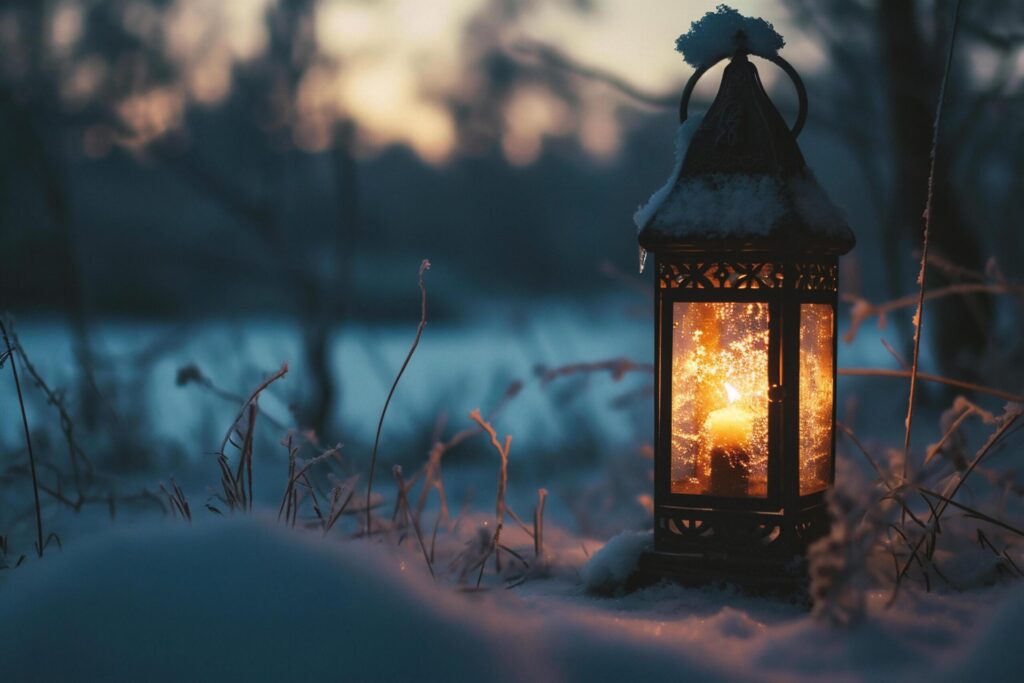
<point>617,367</point>
<point>67,425</point>
<point>862,309</point>
<point>424,266</point>
<point>928,377</point>
<point>403,505</point>
<point>538,523</point>
<point>249,401</point>
<point>432,468</point>
<point>919,314</point>
<point>972,512</point>
<point>177,501</point>
<point>191,373</point>
<point>867,456</point>
<point>966,409</point>
<point>289,501</point>
<point>245,460</point>
<point>1005,422</point>
<point>9,355</point>
<point>237,486</point>
<point>499,511</point>
<point>896,490</point>
<point>341,496</point>
<point>992,272</point>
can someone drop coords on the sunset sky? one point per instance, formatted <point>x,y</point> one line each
<point>390,65</point>
<point>399,51</point>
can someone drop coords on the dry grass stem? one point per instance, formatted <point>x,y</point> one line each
<point>617,367</point>
<point>927,377</point>
<point>932,527</point>
<point>177,501</point>
<point>538,523</point>
<point>253,397</point>
<point>402,505</point>
<point>298,473</point>
<point>502,480</point>
<point>896,491</point>
<point>191,374</point>
<point>341,496</point>
<point>245,460</point>
<point>968,409</point>
<point>424,266</point>
<point>972,512</point>
<point>862,310</point>
<point>9,357</point>
<point>922,276</point>
<point>67,426</point>
<point>432,468</point>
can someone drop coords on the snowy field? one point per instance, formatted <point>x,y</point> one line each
<point>243,599</point>
<point>457,367</point>
<point>242,596</point>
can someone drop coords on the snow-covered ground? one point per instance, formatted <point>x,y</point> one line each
<point>240,597</point>
<point>136,596</point>
<point>244,599</point>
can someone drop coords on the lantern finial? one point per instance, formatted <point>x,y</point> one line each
<point>719,34</point>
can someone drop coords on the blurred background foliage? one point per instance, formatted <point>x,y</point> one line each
<point>184,159</point>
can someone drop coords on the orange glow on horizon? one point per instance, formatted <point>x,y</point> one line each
<point>394,66</point>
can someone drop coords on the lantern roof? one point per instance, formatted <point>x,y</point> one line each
<point>740,181</point>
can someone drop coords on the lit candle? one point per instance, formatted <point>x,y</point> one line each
<point>728,432</point>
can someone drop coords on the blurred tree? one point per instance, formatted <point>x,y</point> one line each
<point>888,58</point>
<point>240,115</point>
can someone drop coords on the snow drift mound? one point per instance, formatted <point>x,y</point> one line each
<point>243,600</point>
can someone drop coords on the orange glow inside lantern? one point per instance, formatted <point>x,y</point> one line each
<point>817,395</point>
<point>720,398</point>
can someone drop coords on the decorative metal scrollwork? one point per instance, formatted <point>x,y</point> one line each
<point>742,533</point>
<point>719,275</point>
<point>816,276</point>
<point>686,531</point>
<point>716,274</point>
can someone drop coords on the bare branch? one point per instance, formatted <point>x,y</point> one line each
<point>939,379</point>
<point>552,57</point>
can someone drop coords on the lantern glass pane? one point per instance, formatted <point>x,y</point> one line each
<point>719,443</point>
<point>816,396</point>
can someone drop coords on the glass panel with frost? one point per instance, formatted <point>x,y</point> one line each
<point>719,418</point>
<point>816,396</point>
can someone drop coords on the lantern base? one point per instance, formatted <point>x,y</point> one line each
<point>782,577</point>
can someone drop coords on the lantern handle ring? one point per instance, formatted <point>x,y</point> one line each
<point>801,91</point>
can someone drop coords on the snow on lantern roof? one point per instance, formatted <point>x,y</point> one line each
<point>747,211</point>
<point>740,181</point>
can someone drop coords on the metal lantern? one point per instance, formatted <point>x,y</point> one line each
<point>745,246</point>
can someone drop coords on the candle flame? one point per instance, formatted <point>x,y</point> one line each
<point>731,393</point>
